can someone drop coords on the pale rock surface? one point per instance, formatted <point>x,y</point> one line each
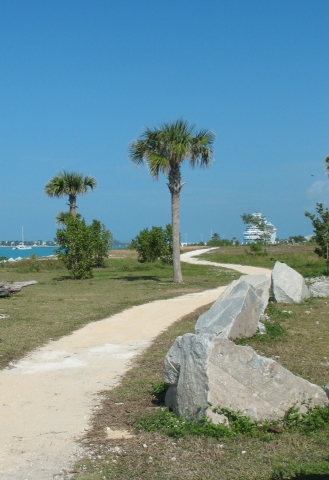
<point>7,288</point>
<point>319,289</point>
<point>261,329</point>
<point>261,283</point>
<point>206,369</point>
<point>288,286</point>
<point>234,315</point>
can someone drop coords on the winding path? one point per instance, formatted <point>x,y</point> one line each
<point>47,398</point>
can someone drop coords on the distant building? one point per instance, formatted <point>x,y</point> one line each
<point>253,234</point>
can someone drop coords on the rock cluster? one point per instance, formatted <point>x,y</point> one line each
<point>207,368</point>
<point>6,289</point>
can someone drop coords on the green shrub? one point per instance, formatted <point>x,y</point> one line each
<point>101,240</point>
<point>154,244</point>
<point>81,246</point>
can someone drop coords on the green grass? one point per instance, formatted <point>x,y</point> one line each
<point>300,451</point>
<point>58,305</point>
<point>300,257</point>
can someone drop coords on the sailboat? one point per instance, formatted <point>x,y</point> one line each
<point>21,245</point>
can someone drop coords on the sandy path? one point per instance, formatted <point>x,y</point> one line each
<point>245,270</point>
<point>47,398</point>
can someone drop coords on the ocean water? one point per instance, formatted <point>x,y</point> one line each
<point>38,251</point>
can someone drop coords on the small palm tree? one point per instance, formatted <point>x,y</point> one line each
<point>163,150</point>
<point>71,184</point>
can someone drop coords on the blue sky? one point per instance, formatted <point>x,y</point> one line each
<point>80,79</point>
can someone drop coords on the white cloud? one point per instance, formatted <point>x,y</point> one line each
<point>319,191</point>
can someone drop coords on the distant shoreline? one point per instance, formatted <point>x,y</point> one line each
<point>32,246</point>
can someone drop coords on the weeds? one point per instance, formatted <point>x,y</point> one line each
<point>316,418</point>
<point>159,391</point>
<point>168,423</point>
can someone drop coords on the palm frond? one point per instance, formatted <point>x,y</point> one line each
<point>69,183</point>
<point>168,145</point>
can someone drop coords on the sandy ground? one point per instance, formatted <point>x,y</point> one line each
<point>47,398</point>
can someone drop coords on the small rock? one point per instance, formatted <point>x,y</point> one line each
<point>319,289</point>
<point>261,328</point>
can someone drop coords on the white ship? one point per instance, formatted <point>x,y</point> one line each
<point>254,234</point>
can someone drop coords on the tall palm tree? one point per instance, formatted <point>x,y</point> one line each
<point>163,150</point>
<point>71,184</point>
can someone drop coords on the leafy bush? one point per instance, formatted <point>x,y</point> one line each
<point>255,249</point>
<point>101,240</point>
<point>81,246</point>
<point>153,244</point>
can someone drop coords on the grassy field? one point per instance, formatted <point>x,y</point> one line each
<point>58,305</point>
<point>299,342</point>
<point>300,257</point>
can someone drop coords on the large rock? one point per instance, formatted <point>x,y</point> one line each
<point>261,283</point>
<point>7,289</point>
<point>319,289</point>
<point>234,315</point>
<point>288,286</point>
<point>206,369</point>
<point>4,289</point>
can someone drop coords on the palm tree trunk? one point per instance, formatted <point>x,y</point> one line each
<point>178,278</point>
<point>73,205</point>
<point>175,186</point>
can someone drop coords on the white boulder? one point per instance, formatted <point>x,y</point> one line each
<point>319,289</point>
<point>206,369</point>
<point>234,315</point>
<point>261,283</point>
<point>288,286</point>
